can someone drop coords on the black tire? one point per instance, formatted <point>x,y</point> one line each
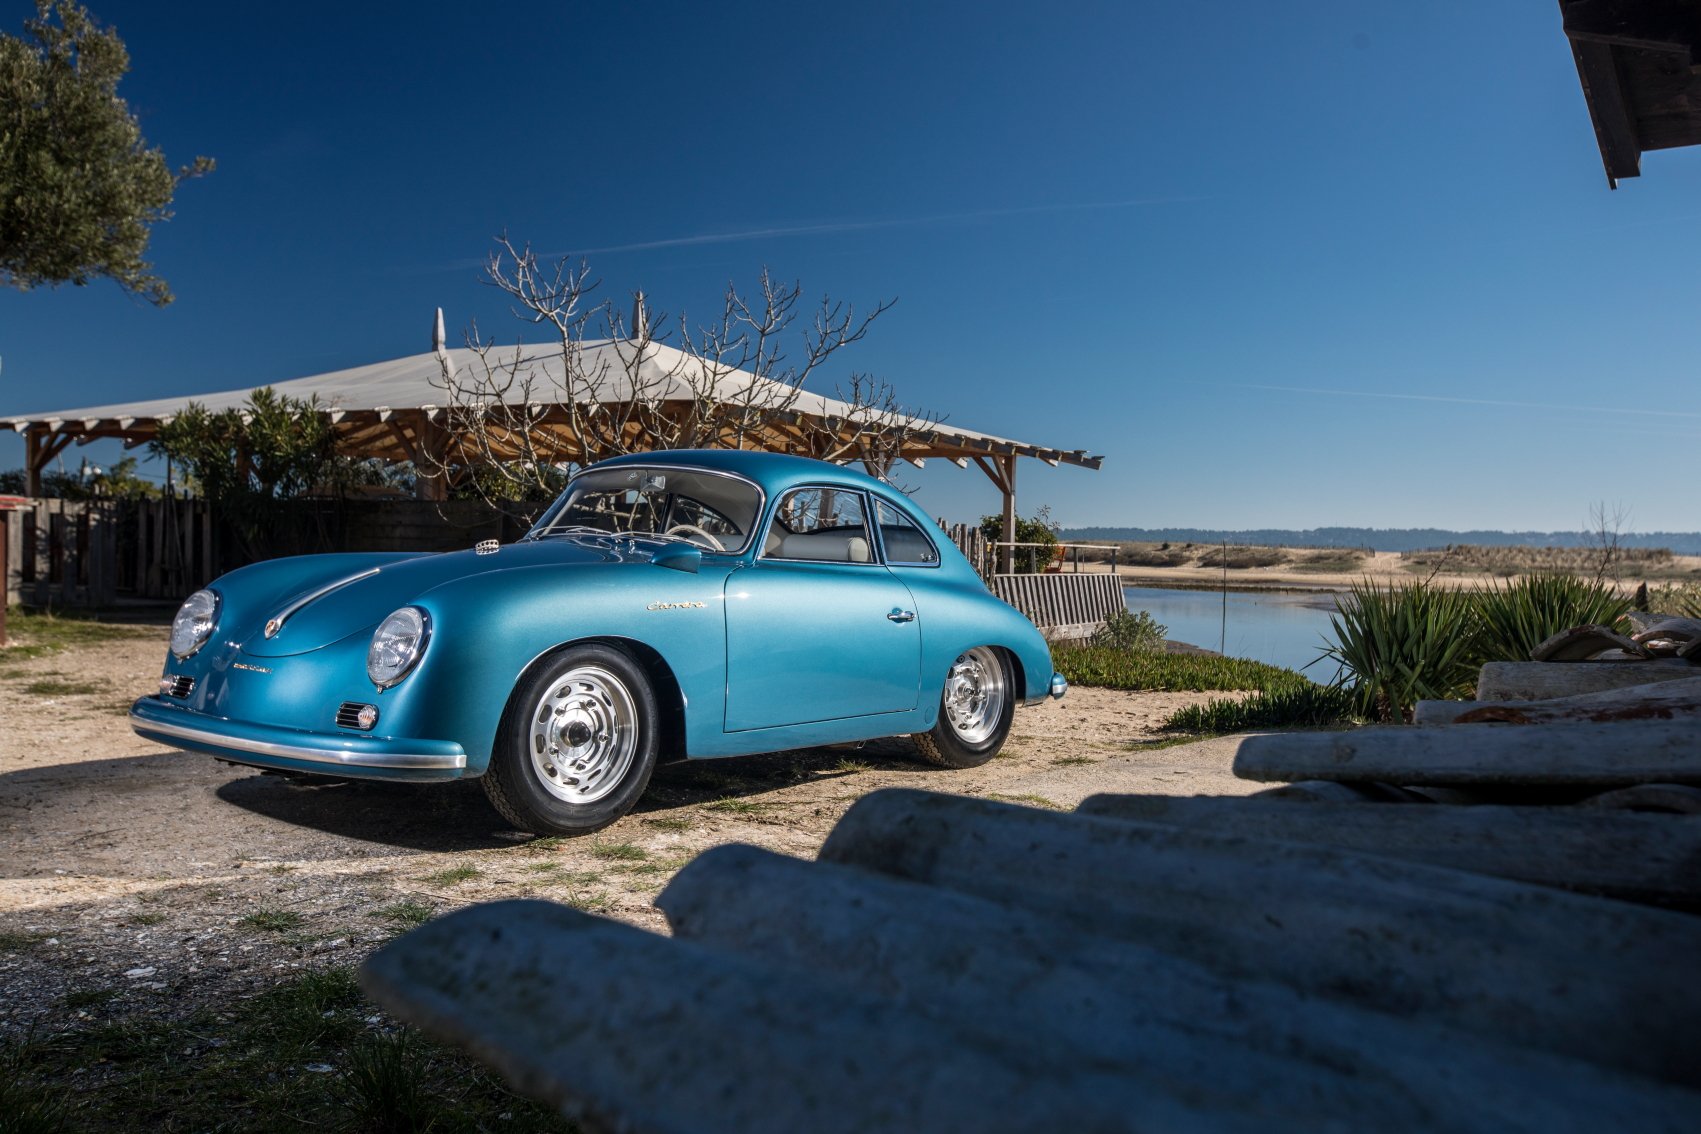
<point>975,710</point>
<point>589,716</point>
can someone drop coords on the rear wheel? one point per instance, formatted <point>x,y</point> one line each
<point>975,709</point>
<point>577,744</point>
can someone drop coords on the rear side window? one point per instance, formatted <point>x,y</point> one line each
<point>825,524</point>
<point>906,544</point>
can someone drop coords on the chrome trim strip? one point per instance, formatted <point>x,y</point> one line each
<point>298,752</point>
<point>276,622</point>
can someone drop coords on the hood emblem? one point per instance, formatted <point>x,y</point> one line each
<point>273,625</point>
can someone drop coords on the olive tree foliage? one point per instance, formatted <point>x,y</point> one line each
<point>80,189</point>
<point>518,418</point>
<point>247,463</point>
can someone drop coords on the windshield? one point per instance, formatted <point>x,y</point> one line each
<point>712,510</point>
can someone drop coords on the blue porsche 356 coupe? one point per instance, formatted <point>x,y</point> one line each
<point>668,605</point>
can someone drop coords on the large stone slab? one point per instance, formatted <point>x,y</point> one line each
<point>1651,858</point>
<point>1536,681</point>
<point>1482,954</point>
<point>1569,754</point>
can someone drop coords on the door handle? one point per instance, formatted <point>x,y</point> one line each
<point>902,615</point>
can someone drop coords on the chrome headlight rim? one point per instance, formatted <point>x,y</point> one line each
<point>386,679</point>
<point>201,637</point>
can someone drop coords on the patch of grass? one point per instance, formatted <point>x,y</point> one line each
<point>1027,799</point>
<point>246,1069</point>
<point>146,918</point>
<point>670,823</point>
<point>16,941</point>
<point>55,685</point>
<point>1334,563</point>
<point>733,805</point>
<point>1240,558</point>
<point>1110,668</point>
<point>1307,706</point>
<point>850,767</point>
<point>48,631</point>
<point>656,866</point>
<point>620,852</point>
<point>404,913</point>
<point>586,901</point>
<point>1072,761</point>
<point>271,920</point>
<point>281,868</point>
<point>546,843</point>
<point>87,997</point>
<point>453,876</point>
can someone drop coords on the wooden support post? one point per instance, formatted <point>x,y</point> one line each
<point>1009,469</point>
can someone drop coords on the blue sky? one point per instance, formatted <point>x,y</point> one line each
<point>1283,265</point>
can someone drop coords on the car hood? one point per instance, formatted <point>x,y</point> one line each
<point>356,600</point>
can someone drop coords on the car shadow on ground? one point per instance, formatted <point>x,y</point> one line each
<point>689,783</point>
<point>430,818</point>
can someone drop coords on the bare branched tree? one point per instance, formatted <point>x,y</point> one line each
<point>519,418</point>
<point>1606,537</point>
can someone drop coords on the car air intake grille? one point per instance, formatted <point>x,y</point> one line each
<point>181,686</point>
<point>349,715</point>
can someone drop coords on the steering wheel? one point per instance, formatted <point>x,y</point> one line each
<point>693,532</point>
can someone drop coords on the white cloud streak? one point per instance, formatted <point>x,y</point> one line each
<point>1462,401</point>
<point>829,228</point>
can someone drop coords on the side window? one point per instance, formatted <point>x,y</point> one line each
<point>824,524</point>
<point>905,543</point>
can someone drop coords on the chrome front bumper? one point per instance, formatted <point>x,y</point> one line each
<point>288,749</point>
<point>1059,686</point>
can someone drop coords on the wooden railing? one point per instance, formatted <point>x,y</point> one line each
<point>1064,607</point>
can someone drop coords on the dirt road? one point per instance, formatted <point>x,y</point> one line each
<point>137,877</point>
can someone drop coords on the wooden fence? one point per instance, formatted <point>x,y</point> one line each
<point>1064,607</point>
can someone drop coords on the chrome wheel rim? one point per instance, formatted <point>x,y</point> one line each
<point>975,694</point>
<point>584,735</point>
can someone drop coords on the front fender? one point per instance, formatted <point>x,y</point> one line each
<point>486,631</point>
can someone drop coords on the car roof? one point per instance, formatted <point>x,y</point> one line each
<point>775,472</point>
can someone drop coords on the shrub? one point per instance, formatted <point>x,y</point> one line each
<point>1243,557</point>
<point>1136,633</point>
<point>1514,619</point>
<point>1402,644</point>
<point>1298,706</point>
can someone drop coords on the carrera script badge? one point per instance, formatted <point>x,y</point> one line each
<point>249,668</point>
<point>674,606</point>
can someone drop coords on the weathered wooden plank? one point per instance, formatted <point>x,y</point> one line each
<point>1252,1047</point>
<point>1660,700</point>
<point>632,1031</point>
<point>1654,858</point>
<point>1479,953</point>
<point>1581,754</point>
<point>1538,681</point>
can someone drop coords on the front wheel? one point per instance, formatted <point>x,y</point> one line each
<point>975,708</point>
<point>577,744</point>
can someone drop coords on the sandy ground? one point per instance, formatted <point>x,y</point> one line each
<point>1381,567</point>
<point>142,878</point>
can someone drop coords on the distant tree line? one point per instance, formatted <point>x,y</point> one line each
<point>1389,539</point>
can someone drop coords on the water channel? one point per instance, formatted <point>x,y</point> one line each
<point>1282,628</point>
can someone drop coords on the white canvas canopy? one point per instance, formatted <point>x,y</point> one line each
<point>390,410</point>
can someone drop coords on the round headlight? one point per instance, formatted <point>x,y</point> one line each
<point>396,646</point>
<point>194,622</point>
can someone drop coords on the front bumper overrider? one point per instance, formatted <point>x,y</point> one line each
<point>348,754</point>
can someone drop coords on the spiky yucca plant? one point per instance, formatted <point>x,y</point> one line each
<point>1517,617</point>
<point>1403,643</point>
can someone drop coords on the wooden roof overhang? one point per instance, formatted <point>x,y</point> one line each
<point>1639,62</point>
